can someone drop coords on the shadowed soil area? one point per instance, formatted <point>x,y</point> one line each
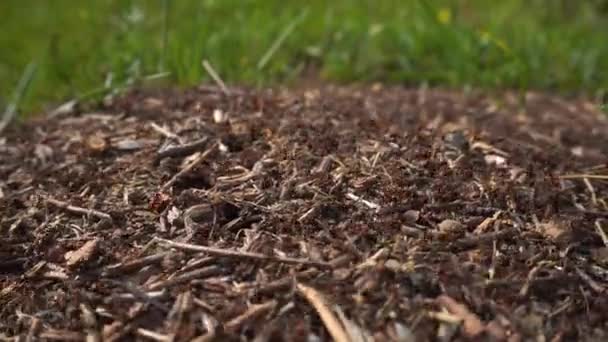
<point>345,213</point>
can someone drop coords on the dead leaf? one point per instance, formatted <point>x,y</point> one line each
<point>554,230</point>
<point>83,254</point>
<point>487,223</point>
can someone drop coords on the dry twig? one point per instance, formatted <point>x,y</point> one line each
<point>601,232</point>
<point>152,335</point>
<point>472,325</point>
<point>139,294</point>
<point>200,273</point>
<point>78,210</point>
<point>594,285</point>
<point>287,281</point>
<point>134,265</point>
<point>470,242</point>
<point>189,167</point>
<point>165,132</point>
<point>252,313</point>
<point>182,150</point>
<point>61,335</point>
<point>242,255</point>
<point>583,176</point>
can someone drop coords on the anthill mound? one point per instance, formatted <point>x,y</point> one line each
<point>344,212</point>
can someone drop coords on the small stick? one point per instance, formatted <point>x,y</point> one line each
<point>182,150</point>
<point>152,335</point>
<point>472,325</point>
<point>251,313</point>
<point>198,263</point>
<point>89,322</point>
<point>583,175</point>
<point>35,326</point>
<point>134,265</point>
<point>445,317</point>
<point>78,210</point>
<point>587,212</point>
<point>331,322</point>
<point>369,204</point>
<point>150,294</point>
<point>537,282</point>
<point>200,273</point>
<point>61,335</point>
<point>601,232</point>
<point>470,242</point>
<point>189,167</point>
<point>215,77</point>
<point>140,295</point>
<point>243,255</point>
<point>523,292</point>
<point>591,190</point>
<point>594,285</point>
<point>165,132</point>
<point>287,281</point>
<point>207,337</point>
<point>177,317</point>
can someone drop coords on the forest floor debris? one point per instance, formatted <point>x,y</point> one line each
<point>354,212</point>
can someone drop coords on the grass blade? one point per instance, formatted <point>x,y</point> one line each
<point>22,87</point>
<point>279,41</point>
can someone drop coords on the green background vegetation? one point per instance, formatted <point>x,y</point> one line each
<point>80,46</point>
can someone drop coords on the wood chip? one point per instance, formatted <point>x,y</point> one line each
<point>83,254</point>
<point>472,325</point>
<point>554,230</point>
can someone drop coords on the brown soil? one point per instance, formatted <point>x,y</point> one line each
<point>405,215</point>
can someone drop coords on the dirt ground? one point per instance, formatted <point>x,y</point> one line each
<point>344,213</point>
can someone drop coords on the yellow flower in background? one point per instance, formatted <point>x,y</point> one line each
<point>502,44</point>
<point>487,38</point>
<point>375,29</point>
<point>444,15</point>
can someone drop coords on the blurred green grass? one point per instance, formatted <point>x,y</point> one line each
<point>79,46</point>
